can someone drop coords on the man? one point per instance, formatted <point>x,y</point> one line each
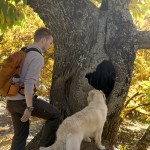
<point>21,107</point>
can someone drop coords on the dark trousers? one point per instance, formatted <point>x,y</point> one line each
<point>43,110</point>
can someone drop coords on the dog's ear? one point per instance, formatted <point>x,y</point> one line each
<point>103,94</point>
<point>92,93</point>
<point>91,96</point>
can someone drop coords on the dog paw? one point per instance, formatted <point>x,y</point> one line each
<point>87,140</point>
<point>102,147</point>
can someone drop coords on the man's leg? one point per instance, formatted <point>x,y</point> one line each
<point>52,116</point>
<point>21,131</point>
<point>48,136</point>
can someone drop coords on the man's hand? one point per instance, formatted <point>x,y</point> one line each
<point>26,115</point>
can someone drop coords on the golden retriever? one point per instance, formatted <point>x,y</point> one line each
<point>84,124</point>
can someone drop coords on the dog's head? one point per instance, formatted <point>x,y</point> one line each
<point>96,95</point>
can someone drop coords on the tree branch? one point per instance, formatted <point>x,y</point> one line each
<point>143,38</point>
<point>128,101</point>
<point>147,104</point>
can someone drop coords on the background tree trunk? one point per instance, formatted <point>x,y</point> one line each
<point>84,36</point>
<point>144,142</point>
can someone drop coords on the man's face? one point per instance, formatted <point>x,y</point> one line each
<point>47,43</point>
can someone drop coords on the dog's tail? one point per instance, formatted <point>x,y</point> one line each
<point>58,145</point>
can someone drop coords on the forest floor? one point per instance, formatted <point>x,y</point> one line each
<point>129,134</point>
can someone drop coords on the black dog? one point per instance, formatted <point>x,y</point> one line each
<point>103,78</point>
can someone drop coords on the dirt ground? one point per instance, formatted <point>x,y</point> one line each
<point>129,134</point>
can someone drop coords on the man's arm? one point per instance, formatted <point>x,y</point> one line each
<point>32,75</point>
<point>29,98</point>
<point>27,112</point>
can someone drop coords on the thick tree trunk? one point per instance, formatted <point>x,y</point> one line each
<point>121,47</point>
<point>84,36</point>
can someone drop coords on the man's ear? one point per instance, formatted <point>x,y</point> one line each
<point>43,40</point>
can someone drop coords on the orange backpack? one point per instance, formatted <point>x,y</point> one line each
<point>10,68</point>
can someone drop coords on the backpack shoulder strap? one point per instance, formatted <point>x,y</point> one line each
<point>32,49</point>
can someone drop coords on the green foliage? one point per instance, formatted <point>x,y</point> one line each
<point>11,13</point>
<point>146,89</point>
<point>141,74</point>
<point>138,99</point>
<point>122,147</point>
<point>139,9</point>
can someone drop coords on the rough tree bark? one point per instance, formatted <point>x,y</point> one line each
<point>84,36</point>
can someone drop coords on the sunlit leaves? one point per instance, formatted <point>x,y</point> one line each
<point>11,13</point>
<point>96,2</point>
<point>140,85</point>
<point>122,147</point>
<point>138,100</point>
<point>139,10</point>
<point>25,1</point>
<point>141,78</point>
<point>17,1</point>
<point>146,89</point>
